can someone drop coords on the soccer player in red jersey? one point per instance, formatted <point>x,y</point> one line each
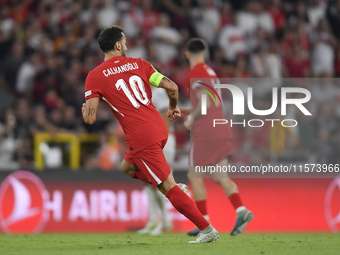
<point>209,146</point>
<point>122,84</point>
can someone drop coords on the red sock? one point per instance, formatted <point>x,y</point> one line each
<point>202,206</point>
<point>139,175</point>
<point>183,203</point>
<point>236,201</point>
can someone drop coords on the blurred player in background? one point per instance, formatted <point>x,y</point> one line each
<point>156,200</point>
<point>122,83</point>
<point>209,147</point>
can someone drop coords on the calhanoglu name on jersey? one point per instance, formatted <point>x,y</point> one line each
<point>120,69</point>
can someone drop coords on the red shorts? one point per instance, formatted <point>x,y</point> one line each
<point>209,153</point>
<point>151,162</point>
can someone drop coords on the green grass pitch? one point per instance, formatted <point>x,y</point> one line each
<point>131,243</point>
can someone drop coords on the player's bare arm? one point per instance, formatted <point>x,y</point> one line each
<point>196,113</point>
<point>89,110</point>
<point>185,112</point>
<point>174,112</point>
<point>160,81</point>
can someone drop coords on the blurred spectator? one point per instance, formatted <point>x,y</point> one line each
<point>274,62</point>
<point>226,14</point>
<point>24,119</point>
<point>316,12</point>
<point>26,74</point>
<point>8,142</point>
<point>107,13</point>
<point>257,41</point>
<point>258,64</point>
<point>180,72</point>
<point>326,126</point>
<point>140,20</point>
<point>297,63</point>
<point>11,65</point>
<point>131,22</point>
<point>254,17</point>
<point>7,31</point>
<point>70,122</point>
<point>206,20</point>
<point>41,123</point>
<point>150,18</point>
<point>111,153</point>
<point>337,62</point>
<point>278,17</point>
<point>322,90</point>
<point>299,13</point>
<point>167,39</point>
<point>322,61</point>
<point>266,63</point>
<point>232,40</point>
<point>138,50</point>
<point>180,10</point>
<point>333,16</point>
<point>241,68</point>
<point>306,133</point>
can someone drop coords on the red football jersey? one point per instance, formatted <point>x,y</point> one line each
<point>202,128</point>
<point>122,83</point>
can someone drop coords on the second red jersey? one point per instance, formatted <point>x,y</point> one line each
<point>122,83</point>
<point>202,128</point>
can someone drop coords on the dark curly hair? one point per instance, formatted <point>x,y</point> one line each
<point>108,38</point>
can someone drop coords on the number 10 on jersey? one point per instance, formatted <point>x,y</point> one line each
<point>138,92</point>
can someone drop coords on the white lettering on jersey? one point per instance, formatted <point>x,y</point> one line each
<point>88,93</point>
<point>210,71</point>
<point>120,69</point>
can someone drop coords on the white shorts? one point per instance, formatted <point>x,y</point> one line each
<point>169,149</point>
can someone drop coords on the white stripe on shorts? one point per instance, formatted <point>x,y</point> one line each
<point>152,173</point>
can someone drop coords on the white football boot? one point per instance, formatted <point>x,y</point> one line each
<point>148,228</point>
<point>208,235</point>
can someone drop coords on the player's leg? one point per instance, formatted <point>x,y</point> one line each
<point>131,169</point>
<point>244,216</point>
<point>156,199</point>
<point>166,222</point>
<point>169,152</point>
<point>152,163</point>
<point>228,186</point>
<point>196,157</point>
<point>182,203</point>
<point>153,222</point>
<point>128,168</point>
<point>200,196</point>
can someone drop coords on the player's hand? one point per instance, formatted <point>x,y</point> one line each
<point>174,113</point>
<point>83,108</point>
<point>187,124</point>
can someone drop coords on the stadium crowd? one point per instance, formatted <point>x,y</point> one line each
<point>48,47</point>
